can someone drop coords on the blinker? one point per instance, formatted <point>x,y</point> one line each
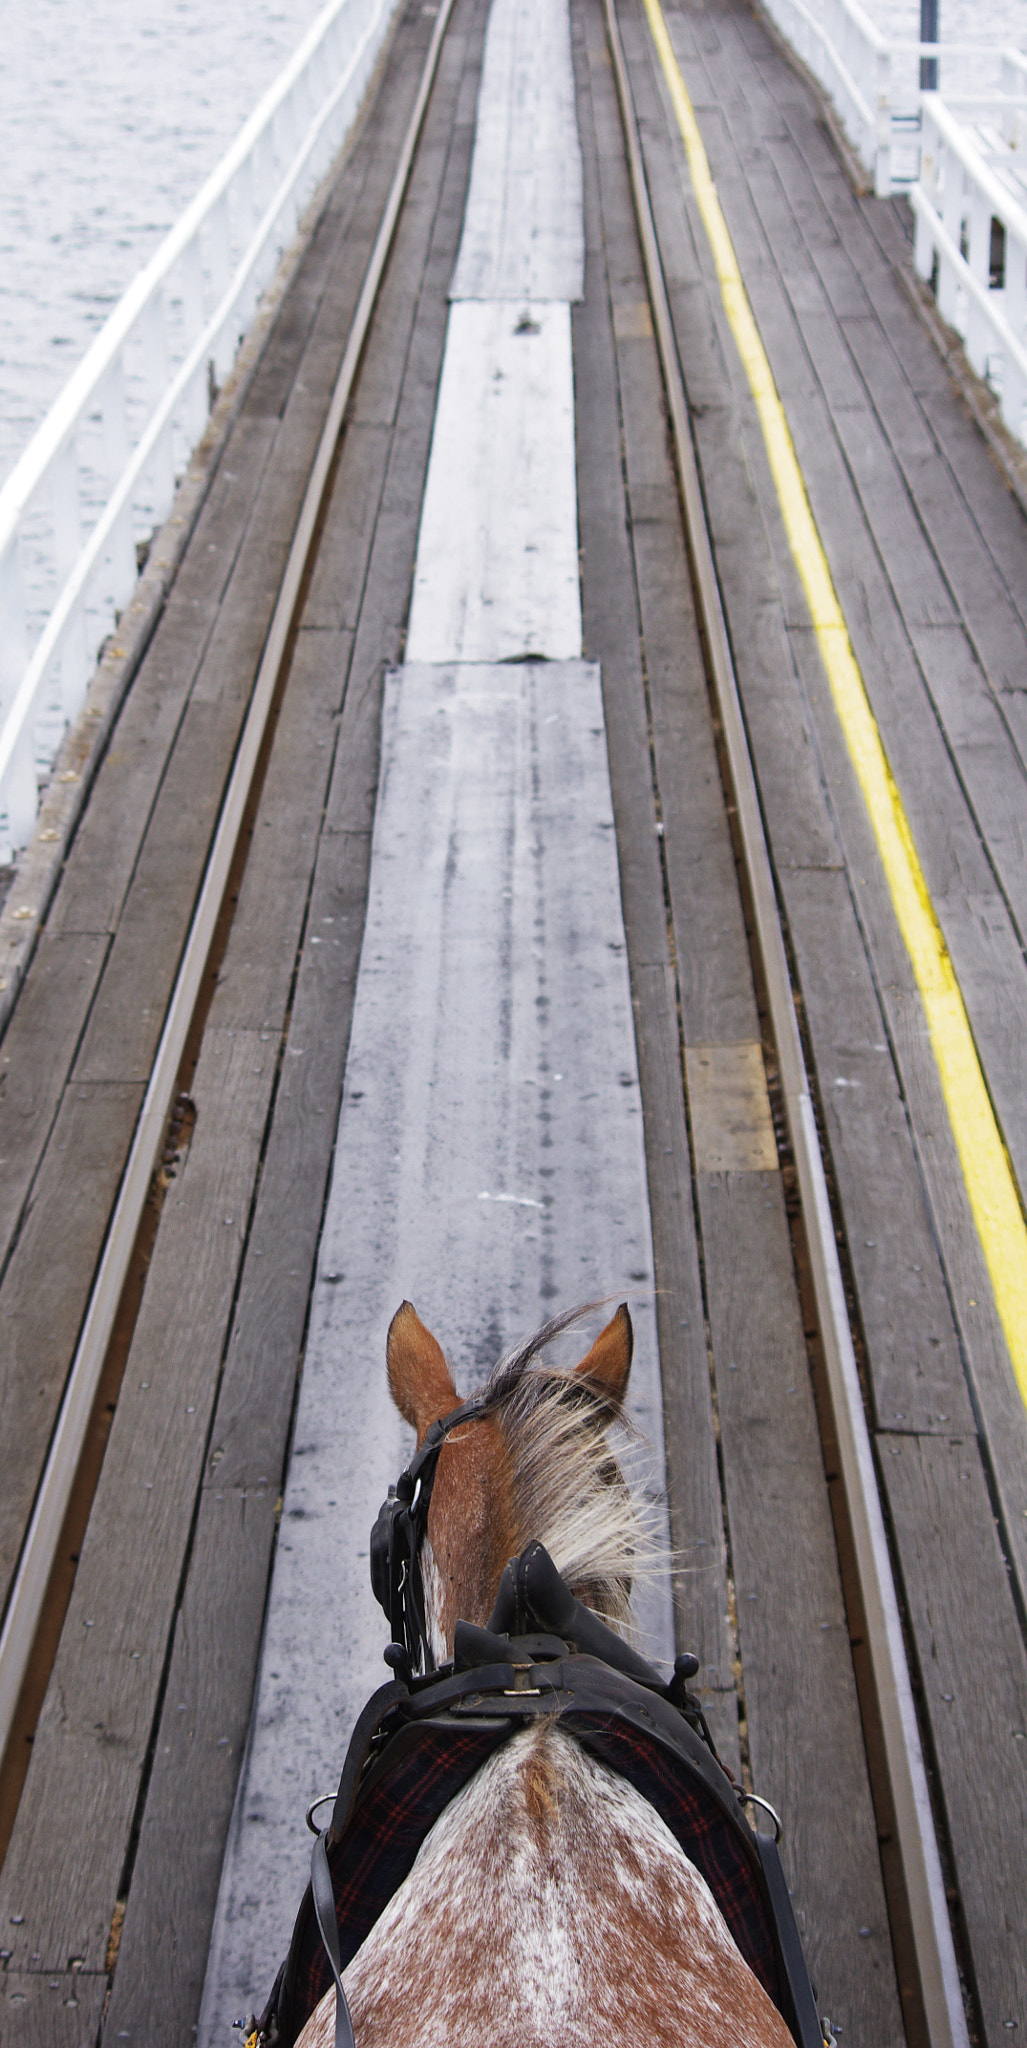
<point>395,1546</point>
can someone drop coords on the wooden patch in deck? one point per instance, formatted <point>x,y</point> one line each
<point>729,1106</point>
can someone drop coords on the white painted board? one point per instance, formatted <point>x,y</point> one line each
<point>490,1167</point>
<point>496,575</point>
<point>523,233</point>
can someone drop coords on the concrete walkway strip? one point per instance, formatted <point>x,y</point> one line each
<point>523,234</point>
<point>490,1166</point>
<point>497,556</point>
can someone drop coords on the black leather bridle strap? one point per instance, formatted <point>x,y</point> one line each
<point>323,1893</point>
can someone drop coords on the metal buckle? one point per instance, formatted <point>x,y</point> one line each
<point>522,1673</point>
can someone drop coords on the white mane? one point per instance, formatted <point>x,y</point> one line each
<point>569,1491</point>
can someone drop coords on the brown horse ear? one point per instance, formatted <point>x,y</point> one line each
<point>609,1361</point>
<point>419,1378</point>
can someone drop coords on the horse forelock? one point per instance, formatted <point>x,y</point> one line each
<point>568,1490</point>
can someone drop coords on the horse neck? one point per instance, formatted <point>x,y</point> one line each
<point>550,1902</point>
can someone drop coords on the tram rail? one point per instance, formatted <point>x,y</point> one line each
<point>935,2013</point>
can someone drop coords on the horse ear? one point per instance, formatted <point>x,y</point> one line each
<point>419,1378</point>
<point>609,1361</point>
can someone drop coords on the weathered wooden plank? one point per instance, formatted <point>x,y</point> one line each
<point>94,1730</point>
<point>47,1019</point>
<point>609,597</point>
<point>336,585</point>
<point>825,955</point>
<point>973,1673</point>
<point>791,776</point>
<point>46,1286</point>
<point>994,1387</point>
<point>693,1484</point>
<point>804,1735</point>
<point>106,847</point>
<point>255,977</point>
<point>51,2011</point>
<point>885,341</point>
<point>985,949</point>
<point>711,953</point>
<point>162,1957</point>
<point>913,1351</point>
<point>611,628</point>
<point>128,1012</point>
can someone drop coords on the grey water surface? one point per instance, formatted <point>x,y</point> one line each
<point>112,113</point>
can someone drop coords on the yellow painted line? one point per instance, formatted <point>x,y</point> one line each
<point>990,1183</point>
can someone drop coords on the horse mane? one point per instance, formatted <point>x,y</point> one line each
<point>569,1492</point>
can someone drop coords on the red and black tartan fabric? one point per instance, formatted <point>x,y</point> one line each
<point>429,1764</point>
<point>698,1824</point>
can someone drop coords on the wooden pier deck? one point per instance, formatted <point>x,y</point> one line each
<point>118,1788</point>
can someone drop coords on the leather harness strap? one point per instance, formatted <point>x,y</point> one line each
<point>324,1906</point>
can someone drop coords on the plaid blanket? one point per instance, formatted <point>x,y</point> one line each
<point>427,1764</point>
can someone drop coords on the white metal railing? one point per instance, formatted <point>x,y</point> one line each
<point>971,235</point>
<point>963,158</point>
<point>873,79</point>
<point>853,61</point>
<point>100,474</point>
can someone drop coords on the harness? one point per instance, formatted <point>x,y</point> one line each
<point>425,1733</point>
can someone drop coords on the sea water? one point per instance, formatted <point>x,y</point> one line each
<point>112,114</point>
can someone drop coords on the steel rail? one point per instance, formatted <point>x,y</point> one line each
<point>39,1548</point>
<point>914,1827</point>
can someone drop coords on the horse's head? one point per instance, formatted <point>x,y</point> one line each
<point>534,1462</point>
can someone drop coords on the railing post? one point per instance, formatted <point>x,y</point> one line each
<point>121,556</point>
<point>882,100</point>
<point>154,337</point>
<point>67,526</point>
<point>194,398</point>
<point>219,256</point>
<point>18,787</point>
<point>19,796</point>
<point>1014,386</point>
<point>13,648</point>
<point>952,219</point>
<point>924,242</point>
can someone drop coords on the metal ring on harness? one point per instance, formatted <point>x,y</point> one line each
<point>753,1799</point>
<point>326,1799</point>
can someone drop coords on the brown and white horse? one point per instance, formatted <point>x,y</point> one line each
<point>549,1907</point>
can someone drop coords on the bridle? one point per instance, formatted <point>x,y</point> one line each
<point>397,1580</point>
